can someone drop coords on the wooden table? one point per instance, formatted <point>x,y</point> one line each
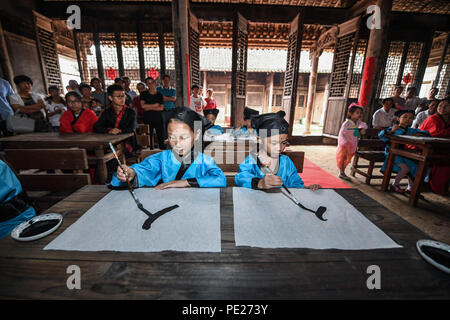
<point>26,271</point>
<point>94,143</point>
<point>427,150</point>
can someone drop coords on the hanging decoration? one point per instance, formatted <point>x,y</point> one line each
<point>111,73</point>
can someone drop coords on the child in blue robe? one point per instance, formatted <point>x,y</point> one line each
<point>246,128</point>
<point>267,168</point>
<point>14,208</point>
<point>402,166</point>
<point>211,115</point>
<point>183,165</point>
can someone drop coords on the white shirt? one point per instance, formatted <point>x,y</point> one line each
<point>383,119</point>
<point>50,107</point>
<point>17,99</point>
<point>197,104</point>
<point>420,118</point>
<point>412,103</point>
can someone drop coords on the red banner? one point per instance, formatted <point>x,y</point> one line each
<point>366,81</point>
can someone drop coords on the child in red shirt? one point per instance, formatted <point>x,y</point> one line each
<point>76,119</point>
<point>210,101</point>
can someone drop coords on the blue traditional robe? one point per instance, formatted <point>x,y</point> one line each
<point>241,132</point>
<point>9,188</point>
<point>412,165</point>
<point>249,170</point>
<point>164,166</point>
<point>215,130</point>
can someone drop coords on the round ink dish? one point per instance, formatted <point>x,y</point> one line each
<point>436,253</point>
<point>37,227</point>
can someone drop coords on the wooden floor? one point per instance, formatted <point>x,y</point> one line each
<point>26,271</point>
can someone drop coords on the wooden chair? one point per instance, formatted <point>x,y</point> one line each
<point>371,149</point>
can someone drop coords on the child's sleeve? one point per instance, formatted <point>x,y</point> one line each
<point>214,176</point>
<point>100,126</point>
<point>382,133</point>
<point>342,138</point>
<point>64,123</point>
<point>362,125</point>
<point>148,173</point>
<point>247,176</point>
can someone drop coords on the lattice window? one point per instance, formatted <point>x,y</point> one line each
<point>151,52</point>
<point>194,56</point>
<point>130,53</point>
<point>50,57</point>
<point>358,65</point>
<point>289,75</point>
<point>88,56</point>
<point>170,57</point>
<point>412,61</point>
<point>109,57</point>
<point>392,68</point>
<point>241,74</point>
<point>444,77</point>
<point>340,67</point>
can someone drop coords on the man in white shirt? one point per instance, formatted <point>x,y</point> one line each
<point>423,115</point>
<point>412,102</point>
<point>385,116</point>
<point>197,101</point>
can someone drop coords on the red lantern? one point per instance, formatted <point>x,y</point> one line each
<point>111,73</point>
<point>407,78</point>
<point>153,73</point>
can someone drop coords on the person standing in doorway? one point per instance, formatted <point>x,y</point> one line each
<point>169,97</point>
<point>152,102</point>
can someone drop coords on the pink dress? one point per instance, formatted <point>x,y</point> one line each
<point>347,142</point>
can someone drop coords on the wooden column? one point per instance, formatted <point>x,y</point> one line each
<point>269,80</point>
<point>205,83</point>
<point>119,53</point>
<point>162,50</point>
<point>180,11</point>
<point>402,65</point>
<point>324,104</point>
<point>140,42</point>
<point>4,59</point>
<point>77,52</point>
<point>98,54</point>
<point>423,62</point>
<point>311,89</point>
<point>373,63</point>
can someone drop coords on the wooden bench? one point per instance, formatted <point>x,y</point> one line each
<point>370,148</point>
<point>230,164</point>
<point>74,160</point>
<point>32,166</point>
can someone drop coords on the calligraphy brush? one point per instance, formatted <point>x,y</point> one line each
<point>130,188</point>
<point>320,211</point>
<point>151,217</point>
